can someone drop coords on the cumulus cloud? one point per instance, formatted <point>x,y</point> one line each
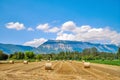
<point>54,30</point>
<point>43,27</point>
<point>46,28</point>
<point>88,34</point>
<point>35,42</point>
<point>68,26</point>
<point>82,29</point>
<point>16,25</point>
<point>65,36</point>
<point>30,29</point>
<point>70,31</point>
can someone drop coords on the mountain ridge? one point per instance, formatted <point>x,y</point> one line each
<point>64,45</point>
<point>55,46</point>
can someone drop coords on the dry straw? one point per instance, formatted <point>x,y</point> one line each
<point>25,62</point>
<point>86,64</point>
<point>11,62</point>
<point>48,66</point>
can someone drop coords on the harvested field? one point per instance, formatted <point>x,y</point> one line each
<point>60,71</point>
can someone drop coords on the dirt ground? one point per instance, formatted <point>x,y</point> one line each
<point>62,70</point>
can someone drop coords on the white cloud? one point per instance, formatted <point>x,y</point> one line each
<point>70,31</point>
<point>30,29</point>
<point>65,36</point>
<point>88,34</point>
<point>68,26</point>
<point>46,28</point>
<point>96,29</point>
<point>43,27</point>
<point>16,25</point>
<point>35,42</point>
<point>54,30</point>
<point>82,29</point>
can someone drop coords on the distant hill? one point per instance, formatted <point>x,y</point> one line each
<point>10,48</point>
<point>63,45</point>
<point>55,46</point>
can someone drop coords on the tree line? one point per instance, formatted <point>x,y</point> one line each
<point>86,54</point>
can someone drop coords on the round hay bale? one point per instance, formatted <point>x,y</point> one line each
<point>25,62</point>
<point>48,66</point>
<point>48,60</point>
<point>41,60</point>
<point>70,61</point>
<point>83,61</point>
<point>36,60</point>
<point>11,62</point>
<point>86,64</point>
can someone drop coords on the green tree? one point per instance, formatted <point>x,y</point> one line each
<point>94,51</point>
<point>17,55</point>
<point>29,55</point>
<point>86,51</point>
<point>118,53</point>
<point>20,55</point>
<point>39,57</point>
<point>3,56</point>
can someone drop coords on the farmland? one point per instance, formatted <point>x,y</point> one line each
<point>62,70</point>
<point>110,62</point>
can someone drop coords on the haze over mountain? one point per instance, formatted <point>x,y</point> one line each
<point>55,46</point>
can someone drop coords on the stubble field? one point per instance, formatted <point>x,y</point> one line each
<point>62,70</point>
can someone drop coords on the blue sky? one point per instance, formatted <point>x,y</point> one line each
<point>59,19</point>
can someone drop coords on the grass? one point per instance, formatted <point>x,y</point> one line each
<point>109,62</point>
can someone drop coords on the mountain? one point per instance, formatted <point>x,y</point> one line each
<point>10,48</point>
<point>63,45</point>
<point>55,46</point>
